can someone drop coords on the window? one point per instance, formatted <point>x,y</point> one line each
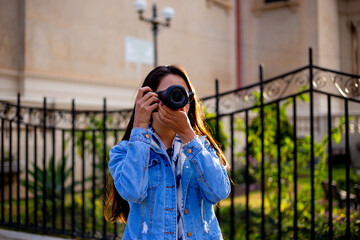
<point>265,5</point>
<point>270,1</point>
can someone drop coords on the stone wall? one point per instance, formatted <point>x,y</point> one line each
<point>76,49</point>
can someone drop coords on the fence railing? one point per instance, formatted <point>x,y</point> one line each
<point>57,176</point>
<point>275,154</point>
<point>54,162</point>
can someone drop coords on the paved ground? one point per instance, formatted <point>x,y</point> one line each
<point>14,235</point>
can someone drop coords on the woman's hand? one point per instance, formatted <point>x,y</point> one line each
<point>178,121</point>
<point>144,106</point>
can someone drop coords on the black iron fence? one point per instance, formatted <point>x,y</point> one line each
<point>293,143</point>
<point>54,168</point>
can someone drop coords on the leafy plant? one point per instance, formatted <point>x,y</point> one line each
<point>7,156</point>
<point>93,137</point>
<point>60,179</point>
<point>211,123</point>
<point>286,143</point>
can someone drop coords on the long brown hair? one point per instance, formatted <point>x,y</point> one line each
<point>120,207</point>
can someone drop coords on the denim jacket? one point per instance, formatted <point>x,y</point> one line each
<point>143,176</point>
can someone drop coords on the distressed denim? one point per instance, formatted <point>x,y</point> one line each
<point>143,176</point>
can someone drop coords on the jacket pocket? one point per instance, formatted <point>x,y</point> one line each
<point>154,169</point>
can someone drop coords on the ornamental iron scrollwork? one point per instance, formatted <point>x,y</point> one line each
<point>301,80</point>
<point>242,99</point>
<point>328,81</point>
<point>347,86</point>
<point>337,83</point>
<point>63,119</point>
<point>285,86</point>
<point>233,102</point>
<point>320,79</point>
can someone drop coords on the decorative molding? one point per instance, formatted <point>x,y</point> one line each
<point>9,73</point>
<point>260,5</point>
<point>65,78</point>
<point>226,4</point>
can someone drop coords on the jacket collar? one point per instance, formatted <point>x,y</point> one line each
<point>156,144</point>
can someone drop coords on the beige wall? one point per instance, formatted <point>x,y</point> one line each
<point>279,34</point>
<point>276,35</point>
<point>75,49</point>
<point>349,11</point>
<point>328,37</point>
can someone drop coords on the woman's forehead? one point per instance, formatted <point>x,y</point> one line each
<point>171,79</point>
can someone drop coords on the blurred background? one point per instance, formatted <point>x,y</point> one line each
<point>89,49</point>
<point>70,71</point>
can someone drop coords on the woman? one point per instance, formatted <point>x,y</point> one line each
<point>167,171</point>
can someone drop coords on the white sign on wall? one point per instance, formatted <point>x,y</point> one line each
<point>138,50</point>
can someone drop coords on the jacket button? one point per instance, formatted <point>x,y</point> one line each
<point>186,211</point>
<point>189,234</point>
<point>147,136</point>
<point>189,150</point>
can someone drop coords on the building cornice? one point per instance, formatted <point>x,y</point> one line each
<point>66,78</point>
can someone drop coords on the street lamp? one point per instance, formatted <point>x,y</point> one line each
<point>168,14</point>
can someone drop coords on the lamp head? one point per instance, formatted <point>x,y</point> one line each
<point>140,5</point>
<point>168,13</point>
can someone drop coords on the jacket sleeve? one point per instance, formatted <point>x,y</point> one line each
<point>128,165</point>
<point>210,174</point>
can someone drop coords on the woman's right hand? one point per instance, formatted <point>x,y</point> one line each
<point>144,106</point>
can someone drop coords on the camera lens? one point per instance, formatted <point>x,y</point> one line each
<point>176,96</point>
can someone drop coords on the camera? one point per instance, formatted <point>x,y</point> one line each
<point>175,97</point>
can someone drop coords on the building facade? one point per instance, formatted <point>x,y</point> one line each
<point>278,34</point>
<point>89,50</point>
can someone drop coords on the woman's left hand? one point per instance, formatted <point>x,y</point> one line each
<point>178,121</point>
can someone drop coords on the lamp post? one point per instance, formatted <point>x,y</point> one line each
<point>168,14</point>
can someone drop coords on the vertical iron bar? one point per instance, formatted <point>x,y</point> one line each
<point>27,175</point>
<point>10,171</point>
<point>155,32</point>
<point>18,160</point>
<point>115,223</point>
<point>312,162</point>
<point>104,161</point>
<point>247,215</point>
<point>232,223</point>
<point>295,171</point>
<point>262,154</point>
<point>35,179</point>
<point>83,182</point>
<point>115,230</point>
<point>329,196</point>
<point>63,157</point>
<point>347,146</point>
<point>116,137</point>
<point>93,183</point>
<point>54,213</point>
<point>44,168</point>
<point>73,168</point>
<point>2,172</point>
<point>278,142</point>
<point>217,128</point>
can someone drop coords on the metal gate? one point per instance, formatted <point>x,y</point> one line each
<point>287,138</point>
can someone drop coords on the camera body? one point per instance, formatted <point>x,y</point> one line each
<point>174,97</point>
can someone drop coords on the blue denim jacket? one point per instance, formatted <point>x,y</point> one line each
<point>143,176</point>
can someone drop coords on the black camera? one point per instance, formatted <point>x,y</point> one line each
<point>175,97</point>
